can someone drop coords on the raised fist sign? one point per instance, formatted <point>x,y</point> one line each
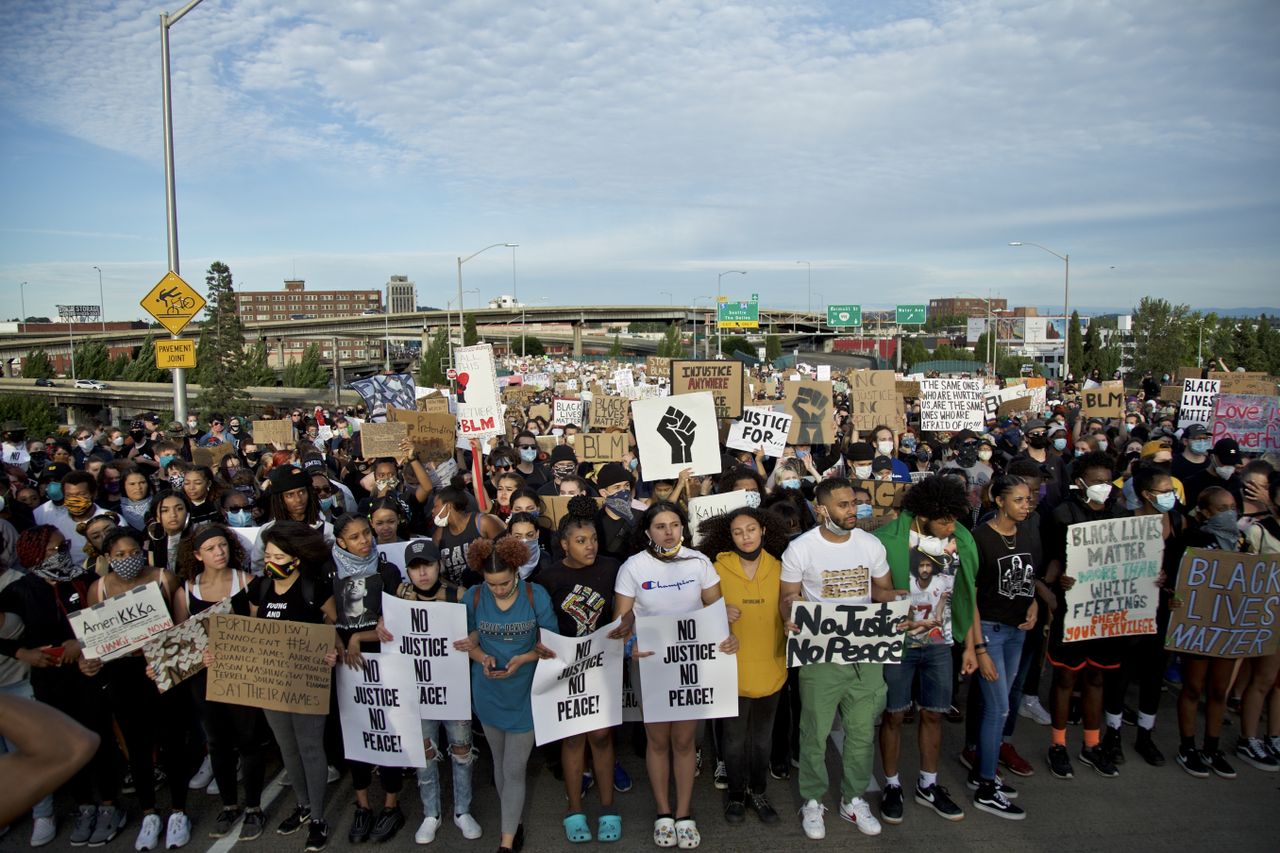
<point>809,406</point>
<point>676,428</point>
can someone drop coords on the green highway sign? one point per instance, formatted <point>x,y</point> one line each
<point>910,315</point>
<point>739,315</point>
<point>844,316</point>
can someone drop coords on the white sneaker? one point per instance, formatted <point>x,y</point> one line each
<point>149,835</point>
<point>470,826</point>
<point>858,812</point>
<point>178,832</point>
<point>333,776</point>
<point>213,790</point>
<point>427,831</point>
<point>811,819</point>
<point>1031,708</point>
<point>203,776</point>
<point>43,829</point>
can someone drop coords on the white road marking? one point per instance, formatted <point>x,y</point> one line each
<point>222,845</point>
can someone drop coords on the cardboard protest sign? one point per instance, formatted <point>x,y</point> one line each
<point>1239,382</point>
<point>907,388</point>
<point>655,366</point>
<point>677,432</point>
<point>601,446</point>
<point>832,632</point>
<point>435,404</point>
<point>1252,420</point>
<point>178,653</point>
<point>433,434</point>
<point>424,632</point>
<point>760,427</point>
<point>377,704</point>
<point>609,412</point>
<point>1198,398</point>
<point>1106,401</point>
<point>273,664</point>
<point>886,495</point>
<point>951,405</point>
<point>724,379</point>
<point>379,440</point>
<point>580,689</point>
<point>623,378</point>
<point>479,412</point>
<point>1229,603</point>
<point>705,507</point>
<point>212,455</point>
<point>1114,562</point>
<point>121,624</point>
<point>278,433</point>
<point>567,412</point>
<point>687,677</point>
<point>1185,373</point>
<point>1014,400</point>
<point>541,410</point>
<point>809,402</point>
<point>547,443</point>
<point>554,508</point>
<point>874,400</point>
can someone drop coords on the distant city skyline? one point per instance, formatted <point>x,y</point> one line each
<point>838,153</point>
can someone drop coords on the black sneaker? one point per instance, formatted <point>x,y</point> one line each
<point>973,783</point>
<point>891,804</point>
<point>781,772</point>
<point>1252,752</point>
<point>294,822</point>
<point>954,715</point>
<point>1145,746</point>
<point>937,798</point>
<point>1218,764</point>
<point>317,836</point>
<point>1112,747</point>
<point>1093,756</point>
<point>764,810</point>
<point>1193,762</point>
<point>254,822</point>
<point>517,843</point>
<point>721,777</point>
<point>1060,762</point>
<point>361,826</point>
<point>735,811</point>
<point>989,799</point>
<point>224,822</point>
<point>387,825</point>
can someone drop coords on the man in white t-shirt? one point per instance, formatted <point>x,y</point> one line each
<point>836,562</point>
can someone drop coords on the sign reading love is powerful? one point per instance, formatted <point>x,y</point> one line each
<point>847,633</point>
<point>1229,605</point>
<point>580,689</point>
<point>677,432</point>
<point>424,632</point>
<point>687,677</point>
<point>1252,420</point>
<point>1115,562</point>
<point>379,712</point>
<point>479,412</point>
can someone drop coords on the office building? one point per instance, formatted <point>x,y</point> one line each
<point>402,295</point>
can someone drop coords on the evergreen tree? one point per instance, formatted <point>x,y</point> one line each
<point>222,342</point>
<point>308,371</point>
<point>1075,347</point>
<point>37,365</point>
<point>1090,352</point>
<point>772,347</point>
<point>118,364</point>
<point>529,345</point>
<point>913,352</point>
<point>256,371</point>
<point>143,367</point>
<point>671,345</point>
<point>434,360</point>
<point>1160,336</point>
<point>1248,353</point>
<point>470,336</point>
<point>34,412</point>
<point>616,349</point>
<point>92,360</point>
<point>737,343</point>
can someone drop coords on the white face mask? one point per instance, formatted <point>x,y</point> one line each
<point>862,472</point>
<point>1098,494</point>
<point>442,520</point>
<point>984,455</point>
<point>931,545</point>
<point>1225,471</point>
<point>884,448</point>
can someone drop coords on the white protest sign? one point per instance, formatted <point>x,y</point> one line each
<point>704,507</point>
<point>425,632</point>
<point>394,554</point>
<point>537,380</point>
<point>580,689</point>
<point>760,426</point>
<point>632,711</point>
<point>566,412</point>
<point>833,632</point>
<point>248,537</point>
<point>121,624</point>
<point>479,415</point>
<point>378,706</point>
<point>687,677</point>
<point>1114,562</point>
<point>824,372</point>
<point>950,405</point>
<point>1198,399</point>
<point>677,432</point>
<point>623,378</point>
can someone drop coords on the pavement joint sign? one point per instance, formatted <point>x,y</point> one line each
<point>173,303</point>
<point>174,354</point>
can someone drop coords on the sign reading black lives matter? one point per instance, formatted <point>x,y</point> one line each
<point>677,432</point>
<point>847,633</point>
<point>425,631</point>
<point>377,703</point>
<point>687,677</point>
<point>580,689</point>
<point>1229,605</point>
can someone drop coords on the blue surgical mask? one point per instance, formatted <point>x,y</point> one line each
<point>633,464</point>
<point>1059,444</point>
<point>865,510</point>
<point>1200,445</point>
<point>53,491</point>
<point>535,554</point>
<point>166,459</point>
<point>790,484</point>
<point>528,454</point>
<point>326,503</point>
<point>1103,444</point>
<point>240,518</point>
<point>1165,501</point>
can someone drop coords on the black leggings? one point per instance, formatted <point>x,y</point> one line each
<point>1143,662</point>
<point>786,722</point>
<point>149,718</point>
<point>81,699</point>
<point>747,742</point>
<point>233,732</point>
<point>392,778</point>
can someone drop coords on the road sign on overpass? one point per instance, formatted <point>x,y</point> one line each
<point>739,315</point>
<point>910,315</point>
<point>844,316</point>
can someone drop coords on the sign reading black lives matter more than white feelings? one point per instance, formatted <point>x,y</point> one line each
<point>760,426</point>
<point>951,405</point>
<point>580,689</point>
<point>424,632</point>
<point>1230,604</point>
<point>835,632</point>
<point>687,677</point>
<point>675,433</point>
<point>479,412</point>
<point>724,379</point>
<point>378,706</point>
<point>1114,562</point>
<point>121,624</point>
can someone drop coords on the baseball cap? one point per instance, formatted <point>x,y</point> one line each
<point>881,463</point>
<point>54,472</point>
<point>1227,451</point>
<point>421,551</point>
<point>1195,431</point>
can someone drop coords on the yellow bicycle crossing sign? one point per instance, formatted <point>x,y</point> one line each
<point>173,303</point>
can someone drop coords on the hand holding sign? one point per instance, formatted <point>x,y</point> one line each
<point>676,428</point>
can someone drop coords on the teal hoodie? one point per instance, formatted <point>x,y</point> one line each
<point>895,536</point>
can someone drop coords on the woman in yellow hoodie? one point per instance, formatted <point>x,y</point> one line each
<point>746,546</point>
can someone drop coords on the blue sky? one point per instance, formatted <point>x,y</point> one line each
<point>633,149</point>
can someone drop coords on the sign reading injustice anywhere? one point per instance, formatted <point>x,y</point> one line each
<point>1115,562</point>
<point>1229,605</point>
<point>379,712</point>
<point>687,677</point>
<point>1252,420</point>
<point>951,405</point>
<point>847,633</point>
<point>424,632</point>
<point>273,664</point>
<point>722,378</point>
<point>580,689</point>
<point>122,623</point>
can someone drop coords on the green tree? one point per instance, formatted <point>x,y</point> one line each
<point>913,352</point>
<point>1160,336</point>
<point>946,352</point>
<point>143,366</point>
<point>1075,346</point>
<point>470,336</point>
<point>434,359</point>
<point>36,413</point>
<point>772,347</point>
<point>256,370</point>
<point>92,360</point>
<point>616,349</point>
<point>528,345</point>
<point>943,321</point>
<point>308,371</point>
<point>737,343</point>
<point>37,365</point>
<point>671,345</point>
<point>220,351</point>
<point>1248,354</point>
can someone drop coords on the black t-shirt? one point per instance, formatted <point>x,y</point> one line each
<point>1185,470</point>
<point>582,598</point>
<point>615,536</point>
<point>293,605</point>
<point>1007,573</point>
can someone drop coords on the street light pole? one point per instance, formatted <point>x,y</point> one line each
<point>386,330</point>
<point>170,192</point>
<point>515,293</point>
<point>461,261</point>
<point>810,270</point>
<point>22,292</point>
<point>102,305</point>
<point>1066,299</point>
<point>719,333</point>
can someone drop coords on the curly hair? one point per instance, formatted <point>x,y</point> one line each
<point>189,566</point>
<point>1096,459</point>
<point>580,512</point>
<point>718,538</point>
<point>508,554</point>
<point>32,543</point>
<point>936,498</point>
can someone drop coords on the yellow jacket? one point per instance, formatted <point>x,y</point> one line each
<point>762,663</point>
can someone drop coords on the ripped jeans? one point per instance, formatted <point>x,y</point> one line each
<point>459,734</point>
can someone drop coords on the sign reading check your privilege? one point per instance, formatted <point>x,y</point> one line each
<point>1115,562</point>
<point>687,677</point>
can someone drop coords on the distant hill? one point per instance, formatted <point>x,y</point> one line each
<point>1099,310</point>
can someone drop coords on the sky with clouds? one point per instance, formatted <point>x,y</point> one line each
<point>636,149</point>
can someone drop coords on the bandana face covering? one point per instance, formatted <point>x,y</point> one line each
<point>280,571</point>
<point>620,503</point>
<point>56,568</point>
<point>130,567</point>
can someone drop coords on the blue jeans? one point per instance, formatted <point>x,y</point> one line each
<point>933,663</point>
<point>22,689</point>
<point>1004,646</point>
<point>459,734</point>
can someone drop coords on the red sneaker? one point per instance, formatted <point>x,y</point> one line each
<point>1014,763</point>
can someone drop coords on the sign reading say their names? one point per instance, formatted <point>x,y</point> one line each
<point>687,677</point>
<point>580,689</point>
<point>760,427</point>
<point>724,379</point>
<point>121,624</point>
<point>1114,562</point>
<point>832,632</point>
<point>705,507</point>
<point>675,433</point>
<point>1229,605</point>
<point>951,405</point>
<point>273,664</point>
<point>379,712</point>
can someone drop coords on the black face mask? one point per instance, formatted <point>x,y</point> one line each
<point>748,555</point>
<point>253,458</point>
<point>968,456</point>
<point>1039,442</point>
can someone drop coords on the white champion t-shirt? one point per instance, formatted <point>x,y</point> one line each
<point>662,588</point>
<point>827,571</point>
